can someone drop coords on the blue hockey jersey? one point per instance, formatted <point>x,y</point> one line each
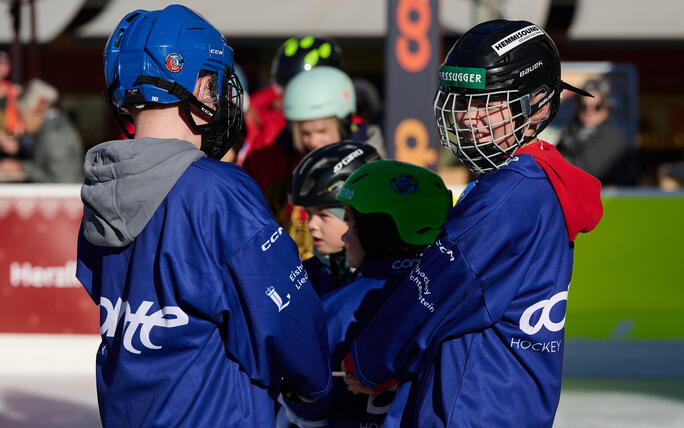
<point>348,309</point>
<point>478,326</point>
<point>204,304</point>
<point>328,272</point>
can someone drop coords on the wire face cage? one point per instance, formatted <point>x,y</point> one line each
<point>477,128</point>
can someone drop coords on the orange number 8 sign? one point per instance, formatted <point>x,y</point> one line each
<point>416,31</point>
<point>421,154</point>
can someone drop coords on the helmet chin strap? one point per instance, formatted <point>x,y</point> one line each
<point>215,139</point>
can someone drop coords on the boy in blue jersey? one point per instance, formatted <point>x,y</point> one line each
<point>313,186</point>
<point>205,309</point>
<point>393,211</point>
<point>477,328</point>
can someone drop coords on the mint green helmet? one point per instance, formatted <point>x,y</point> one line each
<point>415,197</point>
<point>322,92</point>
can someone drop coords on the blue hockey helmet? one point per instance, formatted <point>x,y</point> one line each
<point>157,57</point>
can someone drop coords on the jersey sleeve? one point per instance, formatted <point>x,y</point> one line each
<point>279,331</point>
<point>439,295</point>
<point>248,280</point>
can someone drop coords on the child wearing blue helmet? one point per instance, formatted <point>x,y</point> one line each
<point>205,309</point>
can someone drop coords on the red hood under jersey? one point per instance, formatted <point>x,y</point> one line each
<point>579,193</point>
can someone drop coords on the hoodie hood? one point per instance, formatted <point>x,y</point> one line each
<point>579,193</point>
<point>126,181</point>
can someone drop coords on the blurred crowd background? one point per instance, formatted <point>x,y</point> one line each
<point>630,52</point>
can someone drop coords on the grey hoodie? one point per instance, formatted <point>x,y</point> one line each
<point>126,181</point>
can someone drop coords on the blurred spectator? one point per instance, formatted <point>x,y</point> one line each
<point>56,149</point>
<point>265,119</point>
<point>594,143</point>
<point>9,116</point>
<point>671,176</point>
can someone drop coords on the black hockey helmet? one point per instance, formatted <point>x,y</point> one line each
<point>302,54</point>
<point>508,61</point>
<point>321,174</point>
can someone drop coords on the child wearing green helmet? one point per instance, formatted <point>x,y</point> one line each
<point>394,210</point>
<point>397,222</point>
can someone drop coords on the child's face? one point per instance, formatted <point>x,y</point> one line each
<point>326,230</point>
<point>352,246</point>
<point>489,121</point>
<point>310,135</point>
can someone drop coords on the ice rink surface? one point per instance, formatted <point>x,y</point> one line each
<point>48,381</point>
<point>70,401</point>
<point>48,401</point>
<point>643,403</point>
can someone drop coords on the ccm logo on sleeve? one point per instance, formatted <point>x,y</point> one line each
<point>266,245</point>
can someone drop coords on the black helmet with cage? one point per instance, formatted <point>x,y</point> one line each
<point>302,54</point>
<point>509,63</point>
<point>319,176</point>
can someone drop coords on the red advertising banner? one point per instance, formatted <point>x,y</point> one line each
<point>39,292</point>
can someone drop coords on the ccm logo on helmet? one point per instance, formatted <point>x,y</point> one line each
<point>404,264</point>
<point>266,245</point>
<point>347,160</point>
<point>544,320</point>
<point>215,51</point>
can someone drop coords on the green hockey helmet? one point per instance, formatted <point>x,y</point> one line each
<point>414,197</point>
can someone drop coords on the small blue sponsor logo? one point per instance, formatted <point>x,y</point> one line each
<point>174,62</point>
<point>404,184</point>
